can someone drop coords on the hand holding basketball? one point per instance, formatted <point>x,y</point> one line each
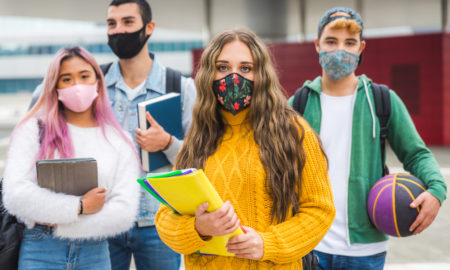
<point>429,207</point>
<point>390,202</point>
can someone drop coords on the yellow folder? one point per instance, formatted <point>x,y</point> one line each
<point>184,193</point>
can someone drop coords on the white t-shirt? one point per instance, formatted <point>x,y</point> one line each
<point>132,92</point>
<point>336,136</point>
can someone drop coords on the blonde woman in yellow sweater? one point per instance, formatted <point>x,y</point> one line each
<point>263,159</point>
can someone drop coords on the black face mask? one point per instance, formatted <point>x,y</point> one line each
<point>127,45</point>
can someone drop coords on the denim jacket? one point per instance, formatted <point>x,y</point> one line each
<point>126,113</point>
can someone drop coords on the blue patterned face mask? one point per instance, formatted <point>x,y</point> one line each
<point>338,64</point>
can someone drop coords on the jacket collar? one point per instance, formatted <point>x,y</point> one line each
<point>316,84</point>
<point>155,80</point>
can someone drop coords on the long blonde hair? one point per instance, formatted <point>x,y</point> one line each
<point>277,131</point>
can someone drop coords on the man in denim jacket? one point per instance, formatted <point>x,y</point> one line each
<point>138,76</point>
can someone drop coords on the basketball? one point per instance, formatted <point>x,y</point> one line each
<point>389,200</point>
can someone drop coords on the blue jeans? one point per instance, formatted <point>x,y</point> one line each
<point>41,250</point>
<point>339,262</point>
<point>147,248</point>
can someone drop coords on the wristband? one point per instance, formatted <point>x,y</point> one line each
<point>168,144</point>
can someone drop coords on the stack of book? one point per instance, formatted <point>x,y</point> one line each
<point>183,191</point>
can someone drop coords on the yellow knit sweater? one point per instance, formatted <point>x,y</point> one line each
<point>236,172</point>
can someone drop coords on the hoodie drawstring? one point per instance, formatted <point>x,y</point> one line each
<point>371,108</point>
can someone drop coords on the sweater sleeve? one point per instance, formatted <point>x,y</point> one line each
<point>22,195</point>
<point>411,150</point>
<point>287,241</point>
<point>119,212</point>
<point>178,232</point>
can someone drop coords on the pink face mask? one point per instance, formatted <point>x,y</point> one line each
<point>78,98</point>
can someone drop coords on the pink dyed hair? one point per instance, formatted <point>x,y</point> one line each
<point>50,110</point>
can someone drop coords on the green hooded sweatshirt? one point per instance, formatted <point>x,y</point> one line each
<point>365,161</point>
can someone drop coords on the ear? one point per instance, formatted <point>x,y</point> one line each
<point>150,27</point>
<point>362,47</point>
<point>316,44</point>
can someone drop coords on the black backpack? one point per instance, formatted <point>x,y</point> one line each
<point>382,108</point>
<point>11,229</point>
<point>11,232</point>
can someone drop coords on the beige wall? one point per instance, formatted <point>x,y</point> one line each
<point>190,14</point>
<point>415,13</point>
<point>418,14</point>
<point>175,14</point>
<point>226,14</point>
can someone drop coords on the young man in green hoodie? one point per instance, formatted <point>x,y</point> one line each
<point>340,107</point>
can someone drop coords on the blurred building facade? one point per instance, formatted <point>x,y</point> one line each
<point>408,48</point>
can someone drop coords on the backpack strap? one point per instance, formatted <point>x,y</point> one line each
<point>105,67</point>
<point>382,100</point>
<point>300,99</point>
<point>173,81</point>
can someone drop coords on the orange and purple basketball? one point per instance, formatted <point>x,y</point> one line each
<point>389,200</point>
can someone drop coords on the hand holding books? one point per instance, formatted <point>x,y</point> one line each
<point>159,124</point>
<point>93,201</point>
<point>224,221</point>
<point>74,176</point>
<point>184,192</point>
<point>220,222</point>
<point>153,139</point>
<point>249,245</point>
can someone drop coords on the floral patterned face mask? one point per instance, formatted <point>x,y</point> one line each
<point>338,64</point>
<point>233,92</point>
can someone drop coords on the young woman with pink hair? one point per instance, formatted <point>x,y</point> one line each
<point>72,119</point>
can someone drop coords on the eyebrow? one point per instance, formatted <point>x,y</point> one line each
<point>68,74</point>
<point>128,17</point>
<point>347,39</point>
<point>124,18</point>
<point>225,61</point>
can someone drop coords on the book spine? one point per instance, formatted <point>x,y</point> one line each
<point>143,126</point>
